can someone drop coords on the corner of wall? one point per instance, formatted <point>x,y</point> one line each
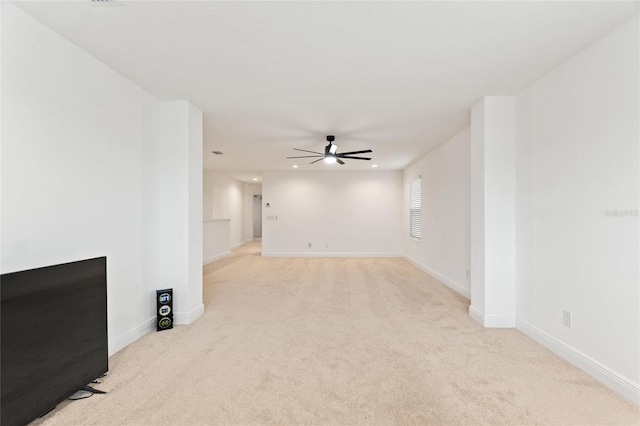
<point>186,318</point>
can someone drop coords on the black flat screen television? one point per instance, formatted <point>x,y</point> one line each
<point>53,336</point>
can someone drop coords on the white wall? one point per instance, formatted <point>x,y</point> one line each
<point>443,250</point>
<point>352,213</point>
<point>216,239</point>
<point>77,179</point>
<point>224,199</point>
<point>577,156</point>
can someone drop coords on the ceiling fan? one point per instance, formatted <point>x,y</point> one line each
<point>331,153</point>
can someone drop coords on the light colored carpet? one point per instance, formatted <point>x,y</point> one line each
<point>338,341</point>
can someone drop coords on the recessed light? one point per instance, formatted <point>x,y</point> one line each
<point>295,166</point>
<point>255,178</point>
<point>374,165</point>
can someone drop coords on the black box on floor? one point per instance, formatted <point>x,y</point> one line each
<point>164,310</point>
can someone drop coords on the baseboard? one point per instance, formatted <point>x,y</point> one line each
<point>476,315</point>
<point>248,240</point>
<point>186,318</point>
<point>453,285</point>
<point>128,338</point>
<point>235,246</point>
<point>613,380</point>
<point>149,325</point>
<point>330,254</point>
<point>216,258</point>
<point>491,321</point>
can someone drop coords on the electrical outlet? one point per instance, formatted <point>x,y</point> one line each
<point>309,244</point>
<point>326,245</point>
<point>468,274</point>
<point>566,318</point>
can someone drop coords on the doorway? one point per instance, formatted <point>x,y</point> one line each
<point>257,217</point>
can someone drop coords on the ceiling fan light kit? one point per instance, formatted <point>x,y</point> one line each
<point>331,154</point>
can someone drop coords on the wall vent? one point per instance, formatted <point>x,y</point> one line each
<point>217,152</point>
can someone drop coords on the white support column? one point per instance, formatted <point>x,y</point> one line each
<point>173,206</point>
<point>493,211</point>
<point>195,227</point>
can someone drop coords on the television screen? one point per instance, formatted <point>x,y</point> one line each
<point>53,336</point>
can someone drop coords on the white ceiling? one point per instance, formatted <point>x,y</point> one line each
<point>396,77</point>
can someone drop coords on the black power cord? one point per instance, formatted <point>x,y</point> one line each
<point>93,390</point>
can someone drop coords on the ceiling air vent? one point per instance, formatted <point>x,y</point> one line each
<point>217,152</point>
<point>106,3</point>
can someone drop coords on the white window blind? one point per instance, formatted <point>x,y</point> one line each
<point>415,209</point>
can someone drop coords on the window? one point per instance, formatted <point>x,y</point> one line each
<point>415,209</point>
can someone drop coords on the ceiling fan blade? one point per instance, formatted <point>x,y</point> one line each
<point>355,152</point>
<point>307,156</point>
<point>340,161</point>
<point>304,150</point>
<point>316,160</point>
<point>355,158</point>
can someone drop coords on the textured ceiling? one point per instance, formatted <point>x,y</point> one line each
<point>396,77</point>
